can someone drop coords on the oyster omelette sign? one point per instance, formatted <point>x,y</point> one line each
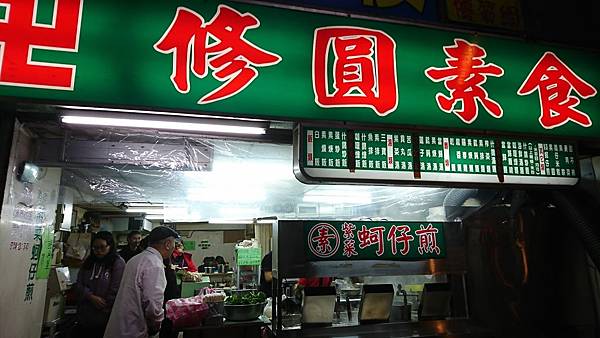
<point>370,240</point>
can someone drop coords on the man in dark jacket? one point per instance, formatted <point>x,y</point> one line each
<point>266,274</point>
<point>172,291</point>
<point>133,245</point>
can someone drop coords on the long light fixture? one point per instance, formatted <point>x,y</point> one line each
<point>237,221</point>
<point>154,211</point>
<point>144,204</point>
<point>132,118</point>
<point>359,200</point>
<point>151,122</point>
<point>332,196</point>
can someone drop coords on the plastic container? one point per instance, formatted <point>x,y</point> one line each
<point>244,312</point>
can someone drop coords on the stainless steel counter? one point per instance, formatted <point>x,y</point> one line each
<point>437,328</point>
<point>245,329</point>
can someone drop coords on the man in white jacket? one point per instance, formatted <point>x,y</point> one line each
<point>138,308</point>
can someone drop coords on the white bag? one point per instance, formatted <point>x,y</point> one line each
<point>78,245</point>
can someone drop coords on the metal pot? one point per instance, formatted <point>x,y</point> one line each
<point>401,313</point>
<point>244,312</point>
<point>352,293</point>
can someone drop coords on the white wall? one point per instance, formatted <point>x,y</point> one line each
<point>24,207</point>
<point>217,247</point>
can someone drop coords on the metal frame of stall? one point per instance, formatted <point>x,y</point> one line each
<point>290,261</point>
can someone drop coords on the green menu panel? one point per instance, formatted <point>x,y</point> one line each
<point>326,148</point>
<point>248,256</point>
<point>383,151</point>
<point>327,154</point>
<point>457,154</point>
<point>528,159</point>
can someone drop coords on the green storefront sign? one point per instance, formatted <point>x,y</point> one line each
<point>326,153</point>
<point>370,240</point>
<point>45,253</point>
<point>238,59</point>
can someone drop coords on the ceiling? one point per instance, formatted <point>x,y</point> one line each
<point>247,180</point>
<point>105,168</point>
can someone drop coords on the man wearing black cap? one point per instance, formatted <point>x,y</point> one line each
<point>138,308</point>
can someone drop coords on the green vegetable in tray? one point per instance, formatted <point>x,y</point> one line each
<point>254,297</point>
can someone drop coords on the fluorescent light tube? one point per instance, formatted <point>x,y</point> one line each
<point>154,211</point>
<point>230,221</point>
<point>337,199</point>
<point>161,124</point>
<point>144,204</point>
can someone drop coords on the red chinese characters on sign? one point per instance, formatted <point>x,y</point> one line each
<point>363,72</point>
<point>555,82</point>
<point>347,229</point>
<point>372,236</point>
<point>349,248</point>
<point>323,240</point>
<point>349,243</point>
<point>464,77</point>
<point>427,239</point>
<point>400,234</point>
<point>218,44</point>
<point>373,240</point>
<point>20,35</point>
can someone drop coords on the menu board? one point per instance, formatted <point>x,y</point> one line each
<point>383,151</point>
<point>248,256</point>
<point>326,148</point>
<point>538,162</point>
<point>338,154</point>
<point>329,151</point>
<point>457,158</point>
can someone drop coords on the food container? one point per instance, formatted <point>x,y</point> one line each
<point>352,293</point>
<point>244,312</point>
<point>376,303</point>
<point>291,320</point>
<point>318,305</point>
<point>217,308</point>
